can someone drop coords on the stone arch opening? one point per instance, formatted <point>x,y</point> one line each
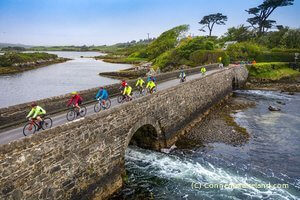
<point>145,137</point>
<point>235,83</point>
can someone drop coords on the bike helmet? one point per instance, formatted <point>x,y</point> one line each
<point>124,83</point>
<point>33,104</point>
<point>73,93</point>
<point>101,87</point>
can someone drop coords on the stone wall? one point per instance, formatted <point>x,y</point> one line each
<point>14,115</point>
<point>85,158</point>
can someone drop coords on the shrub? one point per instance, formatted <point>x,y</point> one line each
<point>285,50</point>
<point>244,51</point>
<point>166,41</point>
<point>275,57</point>
<point>208,56</point>
<point>272,70</point>
<point>225,59</point>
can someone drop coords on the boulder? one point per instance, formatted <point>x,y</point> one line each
<point>273,108</point>
<point>280,102</point>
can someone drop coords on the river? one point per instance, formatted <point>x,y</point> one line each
<point>271,156</point>
<point>57,79</point>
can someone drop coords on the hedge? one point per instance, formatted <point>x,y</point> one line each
<point>208,56</point>
<point>275,57</point>
<point>272,70</point>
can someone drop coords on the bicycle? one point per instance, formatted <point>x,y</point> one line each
<point>121,96</point>
<point>32,126</point>
<point>126,98</point>
<point>99,105</point>
<point>151,92</point>
<point>74,112</point>
<point>141,92</point>
<point>182,79</point>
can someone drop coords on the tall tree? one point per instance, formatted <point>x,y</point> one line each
<point>261,21</point>
<point>240,33</point>
<point>210,20</point>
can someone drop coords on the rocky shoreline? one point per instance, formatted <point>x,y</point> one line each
<point>21,67</point>
<point>288,84</point>
<point>217,126</point>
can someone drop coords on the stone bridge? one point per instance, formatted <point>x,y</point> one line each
<point>85,159</point>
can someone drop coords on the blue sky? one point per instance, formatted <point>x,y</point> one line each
<point>78,22</point>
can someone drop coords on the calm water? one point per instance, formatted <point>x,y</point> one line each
<point>272,156</point>
<point>77,74</point>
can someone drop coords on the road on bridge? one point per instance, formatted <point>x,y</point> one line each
<point>59,119</point>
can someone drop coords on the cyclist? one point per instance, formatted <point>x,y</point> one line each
<point>75,101</point>
<point>220,62</point>
<point>153,79</point>
<point>182,76</point>
<point>139,83</point>
<point>123,84</point>
<point>102,95</point>
<point>127,92</point>
<point>203,70</point>
<point>151,85</point>
<point>36,113</point>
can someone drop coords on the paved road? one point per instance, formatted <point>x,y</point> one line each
<point>17,133</point>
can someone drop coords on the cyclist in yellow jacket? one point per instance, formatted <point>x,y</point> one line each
<point>151,85</point>
<point>203,70</point>
<point>37,113</point>
<point>139,83</point>
<point>127,91</point>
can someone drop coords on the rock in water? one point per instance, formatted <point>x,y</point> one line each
<point>167,151</point>
<point>272,108</point>
<point>291,93</point>
<point>280,102</point>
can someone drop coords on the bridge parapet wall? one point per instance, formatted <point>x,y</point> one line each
<point>14,115</point>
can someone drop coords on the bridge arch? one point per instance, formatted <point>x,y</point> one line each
<point>145,133</point>
<point>235,83</point>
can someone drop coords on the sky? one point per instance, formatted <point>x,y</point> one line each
<point>98,22</point>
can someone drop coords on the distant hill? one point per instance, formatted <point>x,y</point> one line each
<point>14,45</point>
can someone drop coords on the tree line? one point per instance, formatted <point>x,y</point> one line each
<point>260,21</point>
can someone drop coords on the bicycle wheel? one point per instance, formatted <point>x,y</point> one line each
<point>136,94</point>
<point>71,115</point>
<point>97,107</point>
<point>29,129</point>
<point>82,111</point>
<point>107,104</point>
<point>120,98</point>
<point>47,123</point>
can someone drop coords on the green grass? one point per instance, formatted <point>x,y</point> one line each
<point>272,71</point>
<point>124,60</point>
<point>10,58</point>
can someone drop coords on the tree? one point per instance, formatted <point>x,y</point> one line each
<point>273,39</point>
<point>291,39</point>
<point>260,21</point>
<point>166,41</point>
<point>210,20</point>
<point>240,34</point>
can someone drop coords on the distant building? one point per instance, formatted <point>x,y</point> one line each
<point>228,43</point>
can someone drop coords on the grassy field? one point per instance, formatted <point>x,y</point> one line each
<point>272,71</point>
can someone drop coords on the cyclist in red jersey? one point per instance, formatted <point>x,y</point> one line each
<point>76,100</point>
